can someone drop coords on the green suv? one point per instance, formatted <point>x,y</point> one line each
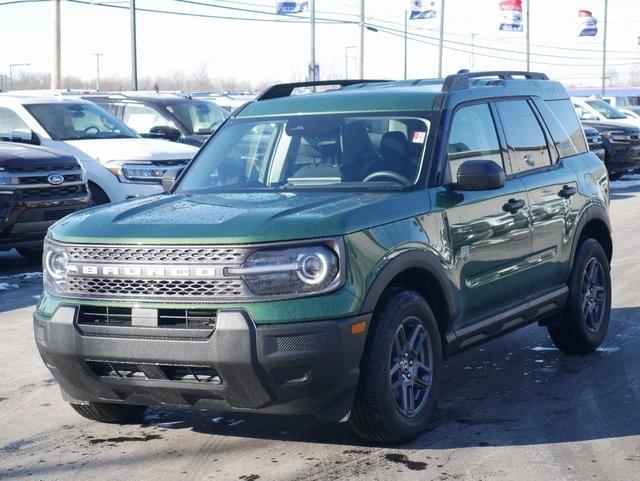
<point>323,253</point>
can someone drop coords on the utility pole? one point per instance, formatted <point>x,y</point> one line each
<point>11,72</point>
<point>346,60</point>
<point>56,70</point>
<point>528,37</point>
<point>604,47</point>
<point>406,31</point>
<point>441,45</point>
<point>473,51</point>
<point>134,53</point>
<point>362,27</point>
<point>98,55</point>
<point>312,19</point>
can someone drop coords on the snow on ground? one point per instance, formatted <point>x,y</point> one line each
<point>627,182</point>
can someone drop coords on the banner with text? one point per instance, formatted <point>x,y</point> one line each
<point>286,8</point>
<point>423,10</point>
<point>511,16</point>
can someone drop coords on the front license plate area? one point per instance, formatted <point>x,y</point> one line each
<point>144,317</point>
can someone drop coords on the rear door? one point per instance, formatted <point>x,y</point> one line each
<point>550,184</point>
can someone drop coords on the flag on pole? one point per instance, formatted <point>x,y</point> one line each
<point>286,8</point>
<point>588,26</point>
<point>423,10</point>
<point>511,16</point>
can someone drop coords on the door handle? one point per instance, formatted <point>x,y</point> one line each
<point>567,192</point>
<point>513,206</point>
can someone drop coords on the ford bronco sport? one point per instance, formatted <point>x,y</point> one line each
<point>324,252</point>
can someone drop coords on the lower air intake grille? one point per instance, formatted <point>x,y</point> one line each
<point>157,372</point>
<point>169,318</point>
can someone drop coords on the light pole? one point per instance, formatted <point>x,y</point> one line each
<point>473,51</point>
<point>134,53</point>
<point>56,68</point>
<point>98,55</point>
<point>362,27</point>
<point>406,28</point>
<point>346,60</point>
<point>441,46</point>
<point>312,21</point>
<point>528,37</point>
<point>604,47</point>
<point>11,72</point>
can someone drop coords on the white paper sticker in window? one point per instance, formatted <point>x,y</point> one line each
<point>418,137</point>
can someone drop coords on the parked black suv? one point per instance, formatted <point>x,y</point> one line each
<point>594,141</point>
<point>164,115</point>
<point>37,187</point>
<point>622,147</point>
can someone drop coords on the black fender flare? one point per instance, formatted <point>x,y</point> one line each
<point>413,259</point>
<point>592,212</point>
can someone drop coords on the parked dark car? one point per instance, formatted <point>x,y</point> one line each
<point>169,116</point>
<point>594,141</point>
<point>622,147</point>
<point>38,186</point>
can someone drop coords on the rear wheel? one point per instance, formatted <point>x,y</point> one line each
<point>400,371</point>
<point>586,316</point>
<point>110,413</point>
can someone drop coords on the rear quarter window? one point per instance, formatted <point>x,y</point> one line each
<point>566,116</point>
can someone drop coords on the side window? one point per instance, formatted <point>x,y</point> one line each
<point>524,135</point>
<point>559,135</point>
<point>567,116</point>
<point>472,137</point>
<point>142,118</point>
<point>10,121</point>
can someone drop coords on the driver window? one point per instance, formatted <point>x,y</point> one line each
<point>472,137</point>
<point>142,118</point>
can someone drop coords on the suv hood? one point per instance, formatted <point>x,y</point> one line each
<point>237,218</point>
<point>104,150</point>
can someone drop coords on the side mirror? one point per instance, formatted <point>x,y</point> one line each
<point>24,137</point>
<point>169,178</point>
<point>480,175</point>
<point>165,132</point>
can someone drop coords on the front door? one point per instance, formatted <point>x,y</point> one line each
<point>488,231</point>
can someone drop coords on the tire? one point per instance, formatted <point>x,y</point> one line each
<point>110,413</point>
<point>615,175</point>
<point>582,329</point>
<point>98,197</point>
<point>32,254</point>
<point>377,414</point>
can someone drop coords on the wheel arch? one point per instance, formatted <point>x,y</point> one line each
<point>594,223</point>
<point>422,272</point>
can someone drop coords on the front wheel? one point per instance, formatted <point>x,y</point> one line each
<point>401,370</point>
<point>110,413</point>
<point>586,316</point>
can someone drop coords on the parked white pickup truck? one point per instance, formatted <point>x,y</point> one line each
<point>119,163</point>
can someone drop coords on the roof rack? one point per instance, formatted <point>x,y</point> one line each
<point>285,90</point>
<point>460,81</point>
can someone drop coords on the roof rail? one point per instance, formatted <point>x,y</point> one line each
<point>285,90</point>
<point>460,81</point>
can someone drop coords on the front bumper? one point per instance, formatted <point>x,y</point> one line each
<point>25,223</point>
<point>622,158</point>
<point>308,368</point>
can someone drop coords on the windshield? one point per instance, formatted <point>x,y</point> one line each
<point>316,151</point>
<point>606,110</point>
<point>198,117</point>
<point>78,121</point>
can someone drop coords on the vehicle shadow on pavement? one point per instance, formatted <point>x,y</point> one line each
<point>518,390</point>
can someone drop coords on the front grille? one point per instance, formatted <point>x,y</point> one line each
<point>56,214</point>
<point>168,318</point>
<point>165,288</point>
<point>44,179</point>
<point>175,255</point>
<point>49,168</point>
<point>54,192</point>
<point>156,372</point>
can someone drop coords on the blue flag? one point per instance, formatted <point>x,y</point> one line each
<point>286,8</point>
<point>423,9</point>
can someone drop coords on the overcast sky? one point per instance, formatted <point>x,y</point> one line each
<point>280,51</point>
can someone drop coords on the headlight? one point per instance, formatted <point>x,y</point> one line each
<point>129,171</point>
<point>55,260</point>
<point>297,270</point>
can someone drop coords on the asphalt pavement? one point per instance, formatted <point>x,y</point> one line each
<point>513,409</point>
